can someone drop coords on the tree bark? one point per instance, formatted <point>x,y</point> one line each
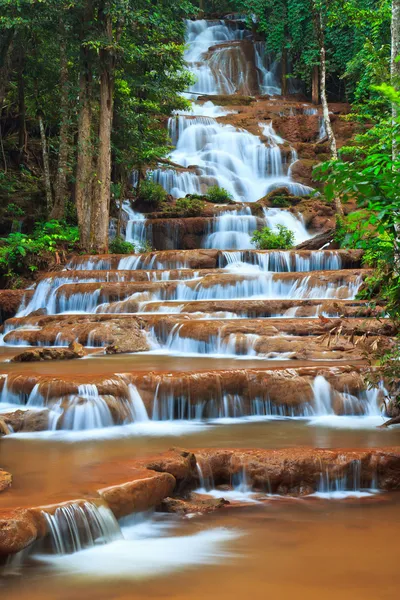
<point>60,195</point>
<point>21,107</point>
<point>101,208</point>
<point>6,46</point>
<point>315,85</point>
<point>46,166</point>
<point>84,167</point>
<point>319,33</point>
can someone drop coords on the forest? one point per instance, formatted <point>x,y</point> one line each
<point>199,299</point>
<point>86,88</point>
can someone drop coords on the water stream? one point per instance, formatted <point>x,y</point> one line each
<point>69,419</point>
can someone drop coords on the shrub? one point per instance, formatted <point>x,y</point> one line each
<point>119,246</point>
<point>144,247</point>
<point>185,207</point>
<point>152,193</point>
<point>218,195</point>
<point>266,239</point>
<point>21,253</point>
<point>190,207</point>
<point>280,201</point>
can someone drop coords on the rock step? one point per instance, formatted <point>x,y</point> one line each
<point>87,297</point>
<point>27,401</point>
<point>231,336</point>
<point>142,484</point>
<point>263,308</point>
<point>200,309</point>
<point>211,259</point>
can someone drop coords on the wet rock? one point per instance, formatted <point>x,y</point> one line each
<point>75,350</point>
<point>301,171</point>
<point>322,240</point>
<point>5,480</point>
<point>194,504</point>
<point>18,529</point>
<point>228,100</point>
<point>297,471</point>
<point>180,463</point>
<point>40,312</point>
<point>10,301</point>
<point>18,421</point>
<point>4,427</point>
<point>144,489</point>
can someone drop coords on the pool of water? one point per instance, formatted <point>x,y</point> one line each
<point>282,549</point>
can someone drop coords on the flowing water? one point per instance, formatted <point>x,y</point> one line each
<point>228,366</point>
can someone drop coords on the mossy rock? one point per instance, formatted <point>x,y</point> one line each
<point>226,100</point>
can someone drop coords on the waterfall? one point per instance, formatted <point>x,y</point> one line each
<point>80,525</point>
<point>136,231</point>
<point>276,216</point>
<point>322,396</point>
<point>232,229</point>
<point>346,484</point>
<point>222,154</point>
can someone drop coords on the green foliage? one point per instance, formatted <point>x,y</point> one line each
<point>218,195</point>
<point>266,239</point>
<point>371,176</point>
<point>119,246</point>
<point>21,253</point>
<point>152,193</point>
<point>279,201</point>
<point>13,210</point>
<point>188,207</point>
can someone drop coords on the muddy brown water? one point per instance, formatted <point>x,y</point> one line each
<point>287,549</point>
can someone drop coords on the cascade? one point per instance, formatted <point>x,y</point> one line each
<point>224,155</point>
<point>136,230</point>
<point>76,526</point>
<point>232,229</point>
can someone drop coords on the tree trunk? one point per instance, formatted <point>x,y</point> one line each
<point>21,107</point>
<point>284,81</point>
<point>395,65</point>
<point>46,166</point>
<point>6,46</point>
<point>101,208</point>
<point>84,167</point>
<point>319,32</point>
<point>60,195</point>
<point>315,85</point>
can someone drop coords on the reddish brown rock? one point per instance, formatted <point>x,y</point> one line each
<point>18,529</point>
<point>25,420</point>
<point>5,480</point>
<point>144,490</point>
<point>10,301</point>
<point>196,503</point>
<point>75,350</point>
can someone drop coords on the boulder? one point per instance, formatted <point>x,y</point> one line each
<point>196,503</point>
<point>18,529</point>
<point>144,489</point>
<point>74,350</point>
<point>10,301</point>
<point>5,480</point>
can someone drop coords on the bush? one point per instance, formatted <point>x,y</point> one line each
<point>21,253</point>
<point>185,207</point>
<point>266,239</point>
<point>119,246</point>
<point>218,195</point>
<point>152,193</point>
<point>190,207</point>
<point>279,201</point>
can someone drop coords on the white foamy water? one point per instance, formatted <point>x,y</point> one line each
<point>227,156</point>
<point>143,552</point>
